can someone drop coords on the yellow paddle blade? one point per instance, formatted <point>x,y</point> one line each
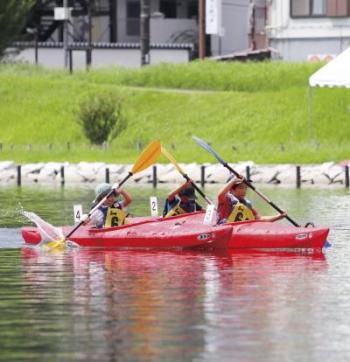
<point>172,160</point>
<point>149,156</point>
<point>56,244</point>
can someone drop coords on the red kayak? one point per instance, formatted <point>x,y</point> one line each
<point>188,231</point>
<point>255,234</point>
<point>172,233</point>
<point>270,235</point>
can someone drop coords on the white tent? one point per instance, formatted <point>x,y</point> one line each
<point>336,73</point>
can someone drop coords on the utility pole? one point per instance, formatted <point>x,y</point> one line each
<point>37,32</point>
<point>65,34</point>
<point>201,29</point>
<point>145,32</point>
<point>252,25</point>
<point>89,50</point>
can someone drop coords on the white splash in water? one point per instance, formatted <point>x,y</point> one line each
<point>47,231</point>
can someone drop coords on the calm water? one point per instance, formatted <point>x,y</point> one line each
<point>173,306</point>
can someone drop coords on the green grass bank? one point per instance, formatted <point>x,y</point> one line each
<point>247,111</point>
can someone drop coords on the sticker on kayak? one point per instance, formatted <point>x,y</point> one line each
<point>203,236</point>
<point>301,236</point>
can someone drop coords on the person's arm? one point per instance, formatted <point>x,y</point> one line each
<point>273,218</point>
<point>172,194</point>
<point>224,190</point>
<point>256,214</point>
<point>95,220</point>
<point>127,199</point>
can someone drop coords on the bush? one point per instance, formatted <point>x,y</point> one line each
<point>101,117</point>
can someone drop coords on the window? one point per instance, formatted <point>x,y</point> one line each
<point>192,9</point>
<point>259,20</point>
<point>300,7</point>
<point>319,8</point>
<point>338,8</point>
<point>168,8</point>
<point>133,18</point>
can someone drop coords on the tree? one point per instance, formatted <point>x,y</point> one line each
<point>13,15</point>
<point>101,117</point>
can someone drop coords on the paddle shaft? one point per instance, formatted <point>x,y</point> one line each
<point>225,164</point>
<point>98,205</point>
<point>197,189</point>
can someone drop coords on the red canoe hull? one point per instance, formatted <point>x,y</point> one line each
<point>178,233</point>
<point>269,235</point>
<point>188,231</point>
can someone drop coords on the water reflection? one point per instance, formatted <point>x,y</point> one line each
<point>254,302</point>
<point>149,305</point>
<point>130,305</point>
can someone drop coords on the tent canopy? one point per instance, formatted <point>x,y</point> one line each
<point>336,73</point>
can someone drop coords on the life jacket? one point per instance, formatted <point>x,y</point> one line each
<point>175,210</point>
<point>176,207</point>
<point>114,217</point>
<point>240,212</point>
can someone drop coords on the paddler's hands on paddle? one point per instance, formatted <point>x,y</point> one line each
<point>283,215</point>
<point>126,196</point>
<point>85,219</point>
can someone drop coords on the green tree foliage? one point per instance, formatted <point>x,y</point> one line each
<point>101,117</point>
<point>12,19</point>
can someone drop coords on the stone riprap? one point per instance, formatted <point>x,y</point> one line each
<point>322,174</point>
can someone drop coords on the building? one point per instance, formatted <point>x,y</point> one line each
<point>115,25</point>
<point>303,30</point>
<point>298,30</point>
<point>172,21</point>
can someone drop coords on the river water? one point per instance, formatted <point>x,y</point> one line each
<point>89,305</point>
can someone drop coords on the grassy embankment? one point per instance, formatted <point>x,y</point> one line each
<point>252,111</point>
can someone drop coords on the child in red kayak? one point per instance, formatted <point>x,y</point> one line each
<point>181,201</point>
<point>112,212</point>
<point>233,206</point>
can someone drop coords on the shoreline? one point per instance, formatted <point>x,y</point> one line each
<point>326,174</point>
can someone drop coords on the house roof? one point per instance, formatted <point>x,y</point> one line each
<point>85,45</point>
<point>248,54</point>
<point>336,73</point>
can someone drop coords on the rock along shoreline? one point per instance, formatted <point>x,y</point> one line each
<point>324,174</point>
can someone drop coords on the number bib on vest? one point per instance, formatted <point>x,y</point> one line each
<point>115,217</point>
<point>176,210</point>
<point>240,213</point>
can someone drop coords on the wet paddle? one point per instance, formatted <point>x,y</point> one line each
<point>147,158</point>
<point>177,166</point>
<point>225,164</point>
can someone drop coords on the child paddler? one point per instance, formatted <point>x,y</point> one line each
<point>181,201</point>
<point>233,205</point>
<point>112,212</point>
